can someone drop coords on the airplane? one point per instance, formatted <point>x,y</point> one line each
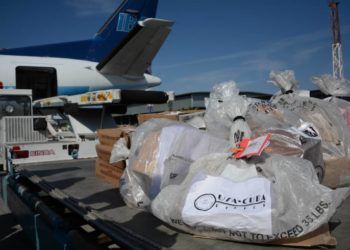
<point>119,56</point>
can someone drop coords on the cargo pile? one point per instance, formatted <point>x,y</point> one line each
<point>262,171</point>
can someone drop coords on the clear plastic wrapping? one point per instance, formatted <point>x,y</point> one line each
<point>225,114</point>
<point>161,153</point>
<point>332,86</point>
<point>285,80</point>
<point>344,107</point>
<point>324,116</point>
<point>120,151</point>
<point>289,139</point>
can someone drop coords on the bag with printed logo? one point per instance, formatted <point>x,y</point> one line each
<point>269,198</point>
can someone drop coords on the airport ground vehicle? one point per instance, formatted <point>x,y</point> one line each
<point>62,205</point>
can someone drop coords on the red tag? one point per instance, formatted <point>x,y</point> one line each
<point>253,147</point>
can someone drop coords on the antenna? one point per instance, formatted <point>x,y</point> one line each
<point>337,54</point>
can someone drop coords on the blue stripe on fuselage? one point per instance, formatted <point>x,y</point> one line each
<point>63,90</point>
<point>72,90</point>
<point>75,90</point>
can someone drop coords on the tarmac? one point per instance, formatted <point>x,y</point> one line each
<point>12,236</point>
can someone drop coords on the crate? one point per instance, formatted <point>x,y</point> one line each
<point>182,116</point>
<point>104,153</point>
<point>337,172</point>
<point>165,115</point>
<point>109,173</point>
<point>109,136</point>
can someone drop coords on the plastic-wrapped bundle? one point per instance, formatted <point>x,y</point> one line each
<point>268,115</point>
<point>120,151</point>
<point>326,119</point>
<point>278,198</point>
<point>160,155</point>
<point>344,107</point>
<point>286,139</point>
<point>225,114</point>
<point>332,86</point>
<point>285,80</point>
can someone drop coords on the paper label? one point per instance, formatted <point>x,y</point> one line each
<point>219,202</point>
<point>255,147</point>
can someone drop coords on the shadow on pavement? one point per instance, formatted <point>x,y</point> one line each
<point>11,235</point>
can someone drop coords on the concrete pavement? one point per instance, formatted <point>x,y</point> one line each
<point>11,235</point>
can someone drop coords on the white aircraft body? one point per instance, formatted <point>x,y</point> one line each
<point>118,57</point>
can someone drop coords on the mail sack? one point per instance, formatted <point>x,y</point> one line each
<point>276,197</point>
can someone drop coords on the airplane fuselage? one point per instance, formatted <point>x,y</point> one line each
<point>118,56</point>
<point>72,76</point>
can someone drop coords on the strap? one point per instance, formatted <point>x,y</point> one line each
<point>238,118</point>
<point>4,189</point>
<point>37,241</point>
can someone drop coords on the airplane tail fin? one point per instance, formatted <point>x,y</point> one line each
<point>119,24</point>
<point>112,33</point>
<point>133,56</point>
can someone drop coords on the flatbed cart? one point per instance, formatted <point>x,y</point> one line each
<point>63,205</point>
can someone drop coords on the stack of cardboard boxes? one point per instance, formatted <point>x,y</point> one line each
<point>182,116</point>
<point>110,172</point>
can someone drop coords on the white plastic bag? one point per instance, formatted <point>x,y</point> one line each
<point>285,80</point>
<point>161,153</point>
<point>282,200</point>
<point>225,114</point>
<point>120,151</point>
<point>324,116</point>
<point>332,86</point>
<point>300,139</point>
<point>344,107</point>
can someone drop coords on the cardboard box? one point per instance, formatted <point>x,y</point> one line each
<point>109,173</point>
<point>185,117</point>
<point>165,115</point>
<point>109,136</point>
<point>104,153</point>
<point>319,237</point>
<point>171,115</point>
<point>337,173</point>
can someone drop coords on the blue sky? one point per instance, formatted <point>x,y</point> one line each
<point>211,41</point>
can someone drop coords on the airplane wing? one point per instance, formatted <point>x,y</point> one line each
<point>134,55</point>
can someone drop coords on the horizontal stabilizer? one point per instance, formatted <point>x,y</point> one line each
<point>134,55</point>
